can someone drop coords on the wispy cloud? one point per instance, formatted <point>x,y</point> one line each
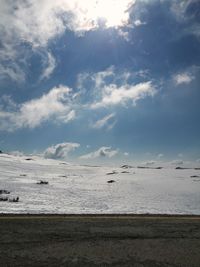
<point>11,71</point>
<point>114,95</point>
<point>98,79</point>
<point>183,78</point>
<point>60,151</point>
<point>56,106</point>
<point>111,87</point>
<point>107,121</point>
<point>49,63</point>
<point>101,152</point>
<point>186,11</point>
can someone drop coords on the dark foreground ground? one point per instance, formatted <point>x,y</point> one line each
<point>136,241</point>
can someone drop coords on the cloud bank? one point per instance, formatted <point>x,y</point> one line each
<point>60,151</point>
<point>100,153</point>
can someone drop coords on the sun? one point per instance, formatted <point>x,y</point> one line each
<point>114,13</point>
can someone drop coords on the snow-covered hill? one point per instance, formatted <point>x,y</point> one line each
<point>85,189</point>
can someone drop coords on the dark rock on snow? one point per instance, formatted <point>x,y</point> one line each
<point>42,182</point>
<point>111,181</point>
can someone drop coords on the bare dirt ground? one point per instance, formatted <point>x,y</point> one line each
<point>103,240</point>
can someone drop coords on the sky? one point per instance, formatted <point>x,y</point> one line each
<point>100,79</point>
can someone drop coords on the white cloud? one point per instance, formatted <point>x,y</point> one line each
<point>100,77</point>
<point>111,125</point>
<point>6,103</point>
<point>60,151</point>
<point>25,22</point>
<point>114,94</point>
<point>32,21</point>
<point>11,71</point>
<point>49,66</point>
<point>101,152</point>
<point>56,106</point>
<point>138,22</point>
<point>183,78</point>
<point>37,23</point>
<point>34,112</point>
<point>113,13</point>
<point>126,154</point>
<point>105,121</point>
<point>125,34</point>
<point>112,87</point>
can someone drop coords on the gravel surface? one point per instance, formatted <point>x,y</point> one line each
<point>136,241</point>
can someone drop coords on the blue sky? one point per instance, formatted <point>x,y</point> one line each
<point>112,79</point>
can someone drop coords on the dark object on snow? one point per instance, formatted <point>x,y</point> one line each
<point>197,169</point>
<point>4,191</point>
<point>194,176</point>
<point>110,173</point>
<point>152,168</point>
<point>1,152</point>
<point>125,172</point>
<point>181,168</point>
<point>23,175</point>
<point>29,159</point>
<point>3,199</point>
<point>42,182</point>
<point>14,199</point>
<point>111,181</point>
<point>126,166</point>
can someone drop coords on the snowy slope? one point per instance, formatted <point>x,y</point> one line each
<point>84,189</point>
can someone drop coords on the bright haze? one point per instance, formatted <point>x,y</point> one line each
<point>116,80</point>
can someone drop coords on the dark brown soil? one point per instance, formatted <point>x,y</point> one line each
<point>135,241</point>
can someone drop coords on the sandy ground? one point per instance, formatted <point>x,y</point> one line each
<point>136,241</point>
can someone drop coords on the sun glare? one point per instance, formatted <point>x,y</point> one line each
<point>114,13</point>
